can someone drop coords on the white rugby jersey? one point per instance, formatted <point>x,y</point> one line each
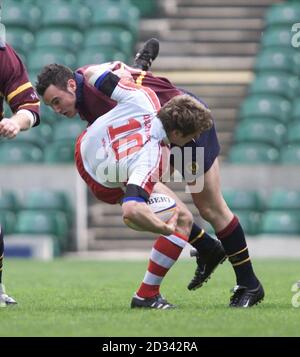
<point>125,145</point>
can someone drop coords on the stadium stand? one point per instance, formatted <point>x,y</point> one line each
<point>235,54</point>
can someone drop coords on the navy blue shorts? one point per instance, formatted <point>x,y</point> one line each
<point>208,140</point>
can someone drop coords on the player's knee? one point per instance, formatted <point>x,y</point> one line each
<point>185,221</point>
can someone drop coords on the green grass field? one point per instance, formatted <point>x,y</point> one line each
<point>91,298</point>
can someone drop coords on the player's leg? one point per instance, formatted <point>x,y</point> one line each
<point>147,54</point>
<point>209,252</point>
<point>213,208</point>
<point>5,300</point>
<point>165,252</point>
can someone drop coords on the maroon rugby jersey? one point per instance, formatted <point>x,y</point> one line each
<point>91,103</point>
<point>15,87</point>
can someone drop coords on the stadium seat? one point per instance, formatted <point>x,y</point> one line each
<point>293,133</point>
<point>8,201</point>
<point>111,37</point>
<point>38,136</point>
<point>19,14</point>
<point>267,131</point>
<point>249,220</point>
<point>19,152</point>
<point>60,152</point>
<point>253,153</point>
<point>97,55</point>
<point>276,84</point>
<point>290,155</point>
<point>7,221</point>
<point>21,40</point>
<point>296,62</point>
<point>43,56</point>
<point>295,115</point>
<point>277,37</point>
<point>280,222</point>
<point>146,8</point>
<point>284,199</point>
<point>46,200</point>
<point>66,38</point>
<point>67,129</point>
<point>48,115</point>
<point>126,18</point>
<point>266,107</point>
<point>274,60</point>
<point>62,13</point>
<point>243,200</point>
<point>38,223</point>
<point>282,14</point>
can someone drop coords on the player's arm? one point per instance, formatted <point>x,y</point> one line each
<point>19,94</point>
<point>22,120</point>
<point>137,214</point>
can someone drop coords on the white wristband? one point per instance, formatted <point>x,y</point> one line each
<point>29,114</point>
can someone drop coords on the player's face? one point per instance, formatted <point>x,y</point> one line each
<point>60,100</point>
<point>177,138</point>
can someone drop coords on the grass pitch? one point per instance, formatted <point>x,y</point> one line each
<point>91,298</point>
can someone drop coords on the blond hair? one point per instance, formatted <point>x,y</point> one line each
<point>185,114</point>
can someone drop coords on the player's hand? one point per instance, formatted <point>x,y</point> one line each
<point>171,224</point>
<point>9,128</point>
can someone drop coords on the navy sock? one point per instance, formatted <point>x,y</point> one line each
<point>233,240</point>
<point>200,240</point>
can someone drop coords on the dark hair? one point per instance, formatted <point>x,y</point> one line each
<point>55,74</point>
<point>185,114</point>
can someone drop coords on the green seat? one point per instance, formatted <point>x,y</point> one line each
<point>267,131</point>
<point>46,200</point>
<point>296,62</point>
<point>277,37</point>
<point>282,14</point>
<point>253,153</point>
<point>290,155</point>
<point>38,136</point>
<point>37,223</point>
<point>295,115</point>
<point>8,201</point>
<point>19,152</point>
<point>146,8</point>
<point>126,18</point>
<point>97,55</point>
<point>7,221</point>
<point>66,38</point>
<point>62,13</point>
<point>266,107</point>
<point>21,15</point>
<point>274,60</point>
<point>242,200</point>
<point>284,199</point>
<point>67,129</point>
<point>275,84</point>
<point>280,222</point>
<point>293,133</point>
<point>48,115</point>
<point>249,220</point>
<point>44,56</point>
<point>60,152</point>
<point>21,40</point>
<point>110,37</point>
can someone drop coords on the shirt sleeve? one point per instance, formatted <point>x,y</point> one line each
<point>18,90</point>
<point>125,91</point>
